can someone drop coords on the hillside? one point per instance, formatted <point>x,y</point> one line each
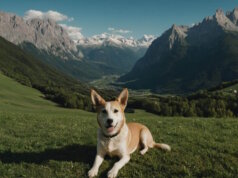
<point>226,87</point>
<point>39,139</point>
<point>15,96</point>
<point>186,59</point>
<point>30,71</point>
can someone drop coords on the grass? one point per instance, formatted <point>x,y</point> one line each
<point>39,139</point>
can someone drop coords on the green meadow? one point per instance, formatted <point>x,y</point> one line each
<point>40,139</point>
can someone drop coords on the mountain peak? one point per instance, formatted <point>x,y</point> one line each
<point>224,21</point>
<point>107,39</point>
<point>179,28</point>
<point>219,21</point>
<point>219,12</point>
<point>174,26</point>
<point>233,16</point>
<point>176,33</point>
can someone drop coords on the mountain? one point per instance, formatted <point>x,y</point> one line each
<point>46,35</point>
<point>233,16</point>
<point>186,59</point>
<point>88,59</point>
<point>107,39</point>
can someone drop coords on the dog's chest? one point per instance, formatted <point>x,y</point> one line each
<point>113,147</point>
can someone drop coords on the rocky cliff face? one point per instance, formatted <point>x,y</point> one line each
<point>44,34</point>
<point>233,16</point>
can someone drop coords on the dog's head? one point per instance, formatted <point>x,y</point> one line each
<point>111,117</point>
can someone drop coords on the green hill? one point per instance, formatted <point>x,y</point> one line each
<point>14,96</point>
<point>39,139</point>
<point>28,70</point>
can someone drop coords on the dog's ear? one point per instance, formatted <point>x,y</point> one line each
<point>97,99</point>
<point>123,97</point>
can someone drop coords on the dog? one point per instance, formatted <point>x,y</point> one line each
<point>115,137</point>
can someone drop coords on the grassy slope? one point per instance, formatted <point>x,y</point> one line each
<point>30,71</point>
<point>230,89</point>
<point>39,139</point>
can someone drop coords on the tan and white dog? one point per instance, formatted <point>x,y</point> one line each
<point>115,136</point>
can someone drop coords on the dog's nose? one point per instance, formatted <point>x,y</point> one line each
<point>109,121</point>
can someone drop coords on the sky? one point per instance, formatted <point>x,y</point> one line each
<point>124,17</point>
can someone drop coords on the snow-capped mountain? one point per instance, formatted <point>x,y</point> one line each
<point>146,40</point>
<point>107,39</point>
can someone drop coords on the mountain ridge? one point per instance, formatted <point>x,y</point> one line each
<point>186,59</point>
<point>107,39</point>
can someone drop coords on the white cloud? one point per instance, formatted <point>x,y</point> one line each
<point>54,15</point>
<point>73,32</point>
<point>71,19</point>
<point>122,31</point>
<point>110,29</point>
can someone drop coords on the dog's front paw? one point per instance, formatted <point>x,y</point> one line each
<point>92,172</point>
<point>112,173</point>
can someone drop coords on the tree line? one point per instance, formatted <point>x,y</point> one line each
<point>201,104</point>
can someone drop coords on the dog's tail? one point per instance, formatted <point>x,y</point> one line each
<point>162,146</point>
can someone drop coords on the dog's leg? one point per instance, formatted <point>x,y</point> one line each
<point>97,163</point>
<point>143,139</point>
<point>118,165</point>
<point>146,140</point>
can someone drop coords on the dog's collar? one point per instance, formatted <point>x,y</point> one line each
<point>111,136</point>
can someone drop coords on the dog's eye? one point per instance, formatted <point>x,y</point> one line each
<point>104,111</point>
<point>115,110</point>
